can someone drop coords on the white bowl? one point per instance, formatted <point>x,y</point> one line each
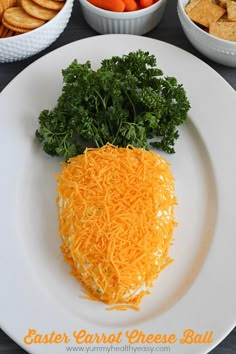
<point>27,44</point>
<point>217,49</point>
<point>134,22</point>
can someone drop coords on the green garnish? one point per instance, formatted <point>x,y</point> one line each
<point>127,100</point>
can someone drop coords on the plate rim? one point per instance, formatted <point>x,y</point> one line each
<point>72,44</point>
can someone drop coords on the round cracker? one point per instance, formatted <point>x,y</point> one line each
<point>50,4</point>
<point>18,18</point>
<point>1,29</point>
<point>10,33</point>
<point>8,3</point>
<point>15,29</point>
<point>37,11</point>
<point>1,10</point>
<point>7,33</point>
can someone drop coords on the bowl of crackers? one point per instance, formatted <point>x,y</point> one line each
<point>210,25</point>
<point>29,26</point>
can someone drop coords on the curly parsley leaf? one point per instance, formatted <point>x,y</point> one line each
<point>126,101</point>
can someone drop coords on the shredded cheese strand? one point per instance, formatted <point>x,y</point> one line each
<point>116,221</point>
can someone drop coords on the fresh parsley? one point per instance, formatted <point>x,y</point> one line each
<point>127,100</point>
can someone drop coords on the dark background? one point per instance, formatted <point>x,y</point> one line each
<point>169,30</point>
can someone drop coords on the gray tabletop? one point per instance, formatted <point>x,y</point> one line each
<point>169,31</point>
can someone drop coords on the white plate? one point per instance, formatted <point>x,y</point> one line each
<point>197,291</point>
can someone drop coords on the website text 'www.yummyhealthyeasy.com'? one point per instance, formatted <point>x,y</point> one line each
<point>118,349</point>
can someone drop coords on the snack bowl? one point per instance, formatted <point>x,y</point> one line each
<point>24,45</point>
<point>133,22</point>
<point>219,50</point>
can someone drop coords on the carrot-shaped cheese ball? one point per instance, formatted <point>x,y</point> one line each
<point>116,220</point>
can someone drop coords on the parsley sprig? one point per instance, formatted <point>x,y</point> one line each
<point>127,100</point>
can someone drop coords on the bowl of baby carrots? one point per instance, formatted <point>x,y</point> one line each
<point>123,16</point>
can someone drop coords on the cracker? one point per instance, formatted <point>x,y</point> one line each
<point>50,4</point>
<point>190,5</point>
<point>231,10</point>
<point>4,32</point>
<point>205,12</point>
<point>13,28</point>
<point>7,32</point>
<point>8,3</point>
<point>1,29</point>
<point>10,33</point>
<point>37,11</point>
<point>223,18</point>
<point>223,3</point>
<point>18,18</point>
<point>224,30</point>
<point>1,10</point>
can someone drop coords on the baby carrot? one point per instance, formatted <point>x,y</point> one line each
<point>111,5</point>
<point>130,5</point>
<point>146,3</point>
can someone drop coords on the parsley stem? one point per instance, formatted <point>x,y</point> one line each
<point>102,100</point>
<point>133,107</point>
<point>49,131</point>
<point>117,133</point>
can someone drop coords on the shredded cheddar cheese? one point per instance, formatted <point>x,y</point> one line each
<point>116,221</point>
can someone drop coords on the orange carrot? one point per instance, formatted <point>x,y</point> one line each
<point>116,219</point>
<point>146,3</point>
<point>130,5</point>
<point>111,5</point>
